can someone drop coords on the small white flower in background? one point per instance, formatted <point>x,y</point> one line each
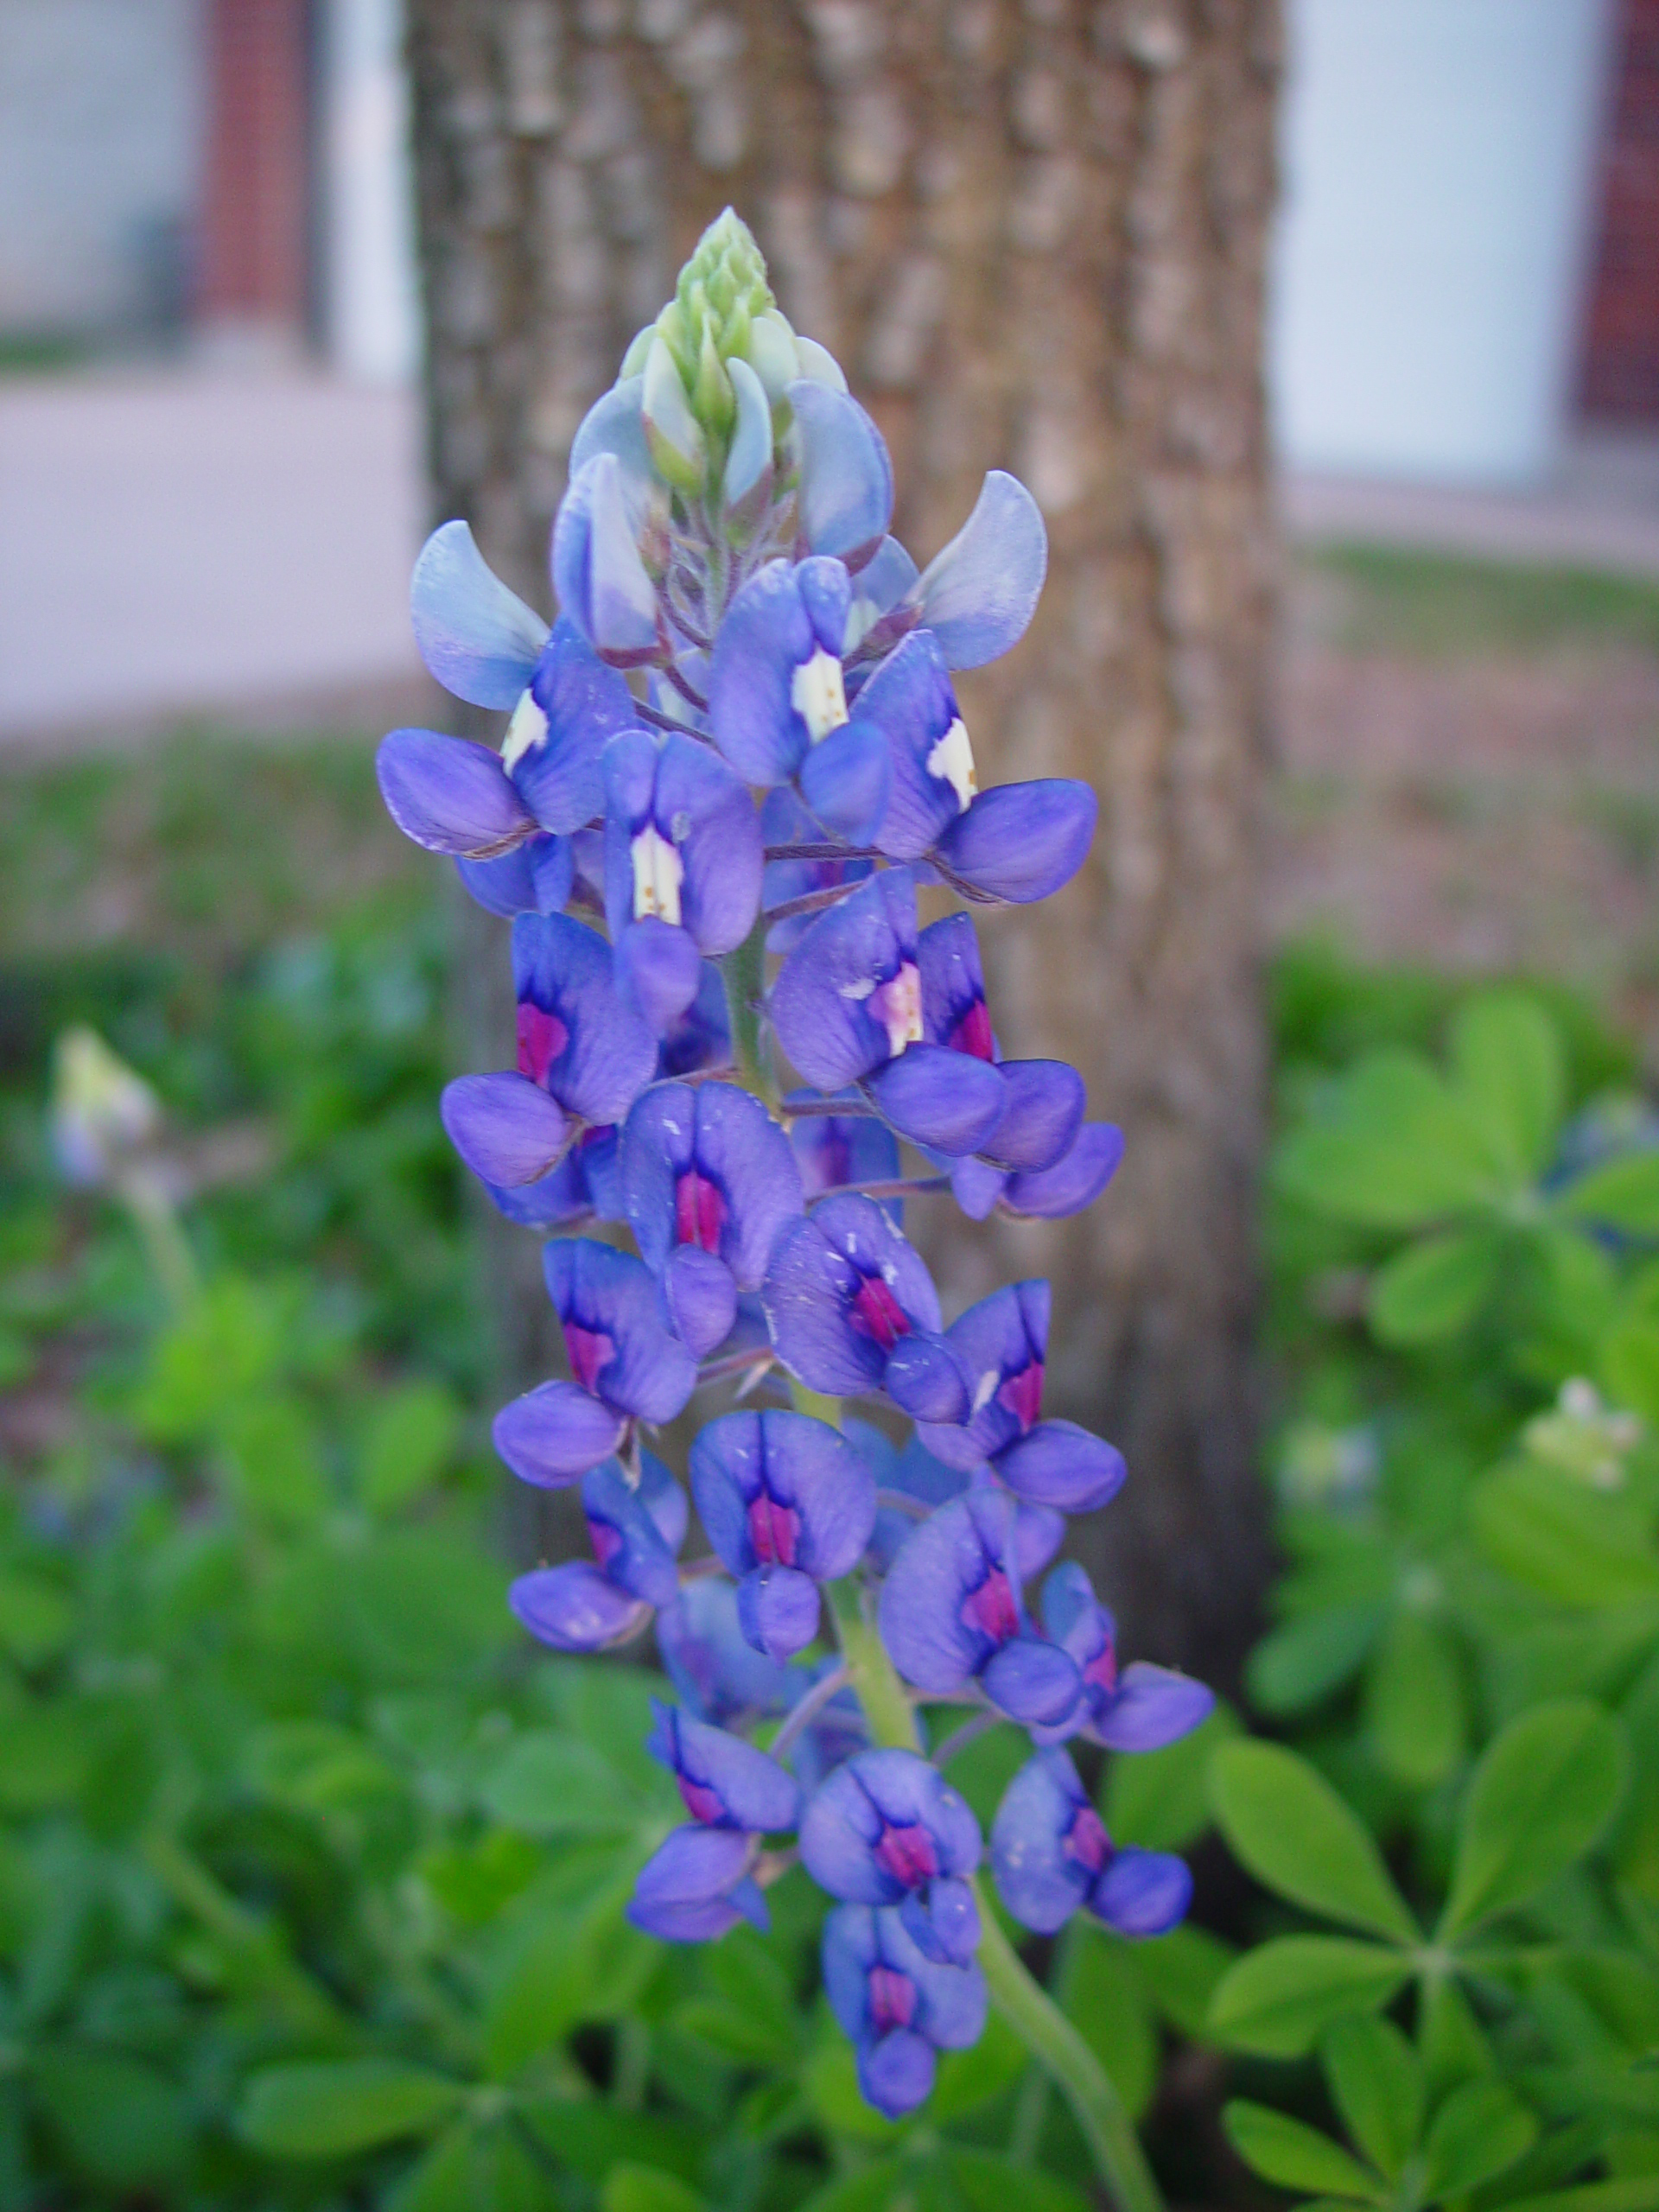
<point>102,1115</point>
<point>1583,1436</point>
<point>1320,1466</point>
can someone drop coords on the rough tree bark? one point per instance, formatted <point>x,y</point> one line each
<point>1034,235</point>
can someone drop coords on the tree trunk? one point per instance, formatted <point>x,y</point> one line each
<point>1034,236</point>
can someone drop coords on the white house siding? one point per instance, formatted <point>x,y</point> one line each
<point>100,135</point>
<point>1440,170</point>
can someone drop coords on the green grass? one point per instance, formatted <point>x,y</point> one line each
<point>1439,605</point>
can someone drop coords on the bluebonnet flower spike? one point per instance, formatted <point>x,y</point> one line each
<point>740,745</point>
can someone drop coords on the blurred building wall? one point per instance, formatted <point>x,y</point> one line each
<point>100,125</point>
<point>371,297</point>
<point>1441,169</point>
<point>1621,352</point>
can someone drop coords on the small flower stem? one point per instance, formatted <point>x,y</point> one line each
<point>887,1708</point>
<point>157,1222</point>
<point>1064,2055</point>
<point>744,972</point>
<point>801,1715</point>
<point>970,1732</point>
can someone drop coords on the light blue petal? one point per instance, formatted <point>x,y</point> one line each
<point>846,477</point>
<point>978,594</point>
<point>615,424</point>
<point>478,638</point>
<point>750,454</point>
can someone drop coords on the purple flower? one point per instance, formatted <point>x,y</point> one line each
<point>556,741</point>
<point>702,1038</point>
<point>909,698</point>
<point>1074,1180</point>
<point>717,1672</point>
<point>847,1008</point>
<point>1141,1709</point>
<point>1020,842</point>
<point>534,878</point>
<point>627,1365</point>
<point>696,1885</point>
<point>583,1057</point>
<point>1042,1100</point>
<point>776,699</point>
<point>950,1612</point>
<point>692,1889</point>
<point>683,862</point>
<point>585,1182</point>
<point>844,1294</point>
<point>636,1533</point>
<point>998,1346</point>
<point>709,1181</point>
<point>835,1149</point>
<point>887,1829</point>
<point>724,1781</point>
<point>896,2005</point>
<point>1050,1855</point>
<point>787,1503</point>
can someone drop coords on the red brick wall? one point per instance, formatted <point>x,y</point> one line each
<point>255,200</point>
<point>1620,376</point>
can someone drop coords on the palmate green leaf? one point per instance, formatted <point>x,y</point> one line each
<point>469,2169</point>
<point>1181,1971</point>
<point>1544,1789</point>
<point>1415,1714</point>
<point>547,1784</point>
<point>1293,2156</point>
<point>1279,1998</point>
<point>990,2183</point>
<point>1450,2039</point>
<point>586,1965</point>
<point>119,2121</point>
<point>1630,2193</point>
<point>875,2189</point>
<point>1394,1149</point>
<point>1433,1288</point>
<point>589,2136</point>
<point>1286,1823</point>
<point>1508,1069</point>
<point>36,1617</point>
<point>1377,2084</point>
<point>1297,1665</point>
<point>1627,1365</point>
<point>1578,1546</point>
<point>1622,1193</point>
<point>1480,2129</point>
<point>631,2188</point>
<point>311,2110</point>
<point>408,1438</point>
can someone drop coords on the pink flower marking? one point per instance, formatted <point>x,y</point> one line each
<point>991,1609</point>
<point>699,1210</point>
<point>893,2000</point>
<point>542,1038</point>
<point>590,1351</point>
<point>878,1312</point>
<point>973,1032</point>
<point>907,1852</point>
<point>1022,1394</point>
<point>774,1530</point>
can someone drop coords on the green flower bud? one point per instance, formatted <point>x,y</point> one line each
<point>713,401</point>
<point>672,431</point>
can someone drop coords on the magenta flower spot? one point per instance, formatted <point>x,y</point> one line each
<point>878,1312</point>
<point>1022,1395</point>
<point>973,1032</point>
<point>991,1608</point>
<point>907,1854</point>
<point>773,1529</point>
<point>1086,1840</point>
<point>542,1038</point>
<point>893,1999</point>
<point>590,1352</point>
<point>699,1210</point>
<point>703,1802</point>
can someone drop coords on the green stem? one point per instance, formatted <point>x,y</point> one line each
<point>1061,2051</point>
<point>158,1222</point>
<point>875,1684</point>
<point>744,972</point>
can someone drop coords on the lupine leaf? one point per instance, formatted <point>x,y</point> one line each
<point>1507,1067</point>
<point>1393,1150</point>
<point>1289,1825</point>
<point>1296,1665</point>
<point>1414,1703</point>
<point>991,2183</point>
<point>1294,2156</point>
<point>1562,1539</point>
<point>1622,1193</point>
<point>1480,2129</point>
<point>1433,1288</point>
<point>1544,1790</point>
<point>313,2110</point>
<point>1377,2085</point>
<point>1279,1998</point>
<point>646,2188</point>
